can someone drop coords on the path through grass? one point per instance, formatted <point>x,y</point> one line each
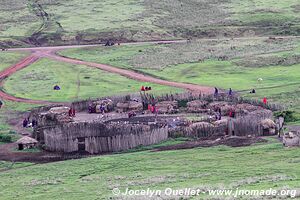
<point>76,82</point>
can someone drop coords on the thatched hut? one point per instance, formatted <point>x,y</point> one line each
<point>167,107</point>
<point>96,106</point>
<point>222,122</point>
<point>129,106</point>
<point>55,115</point>
<point>197,106</point>
<point>59,110</point>
<point>199,129</point>
<point>246,107</point>
<point>26,143</point>
<point>224,106</point>
<point>268,126</point>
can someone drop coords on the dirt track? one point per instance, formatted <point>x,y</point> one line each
<point>50,52</point>
<point>9,71</point>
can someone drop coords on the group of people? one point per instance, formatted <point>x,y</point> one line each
<point>216,93</point>
<point>152,108</point>
<point>230,93</point>
<point>27,123</point>
<point>146,88</point>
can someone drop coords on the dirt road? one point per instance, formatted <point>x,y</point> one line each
<point>11,70</point>
<point>50,52</point>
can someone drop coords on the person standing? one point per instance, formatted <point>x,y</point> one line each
<point>265,101</point>
<point>216,91</point>
<point>230,92</point>
<point>25,123</point>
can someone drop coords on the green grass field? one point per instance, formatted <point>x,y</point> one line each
<point>261,166</point>
<point>72,21</point>
<point>76,82</point>
<point>247,61</point>
<point>224,63</point>
<point>9,58</point>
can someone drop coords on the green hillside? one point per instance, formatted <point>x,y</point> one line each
<point>42,22</point>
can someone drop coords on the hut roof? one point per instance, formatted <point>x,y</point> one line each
<point>59,110</point>
<point>27,140</point>
<point>197,103</point>
<point>221,122</point>
<point>268,123</point>
<point>198,124</point>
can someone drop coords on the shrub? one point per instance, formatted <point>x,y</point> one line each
<point>182,103</point>
<point>5,138</point>
<point>288,115</point>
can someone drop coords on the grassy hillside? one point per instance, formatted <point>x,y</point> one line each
<point>9,58</point>
<point>41,22</point>
<point>236,64</point>
<point>260,166</point>
<point>76,82</point>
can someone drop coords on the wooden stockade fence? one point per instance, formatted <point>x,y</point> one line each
<point>100,138</point>
<point>187,96</point>
<point>242,126</point>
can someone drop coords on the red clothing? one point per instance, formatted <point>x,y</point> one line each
<point>153,109</point>
<point>142,88</point>
<point>72,112</point>
<point>265,100</point>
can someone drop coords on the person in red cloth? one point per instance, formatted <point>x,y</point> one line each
<point>142,88</point>
<point>72,112</point>
<point>153,109</point>
<point>149,107</point>
<point>265,101</point>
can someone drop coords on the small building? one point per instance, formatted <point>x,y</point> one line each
<point>26,143</point>
<point>269,127</point>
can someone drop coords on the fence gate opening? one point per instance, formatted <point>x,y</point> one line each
<point>81,144</point>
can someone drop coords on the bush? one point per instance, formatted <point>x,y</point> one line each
<point>288,115</point>
<point>182,103</point>
<point>5,138</point>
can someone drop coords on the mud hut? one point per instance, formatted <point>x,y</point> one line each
<point>197,106</point>
<point>129,106</point>
<point>26,143</point>
<point>167,107</point>
<point>59,110</point>
<point>106,104</point>
<point>268,127</point>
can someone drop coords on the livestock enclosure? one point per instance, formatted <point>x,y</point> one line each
<point>113,132</point>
